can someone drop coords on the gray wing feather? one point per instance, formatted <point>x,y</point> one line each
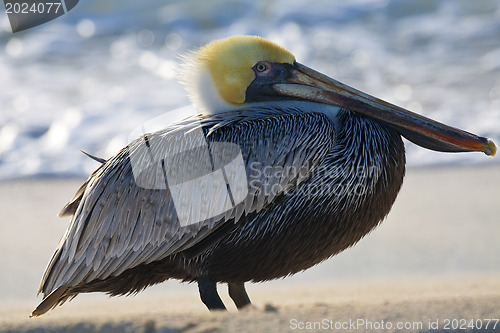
<point>130,215</point>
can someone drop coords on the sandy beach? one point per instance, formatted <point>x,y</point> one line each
<point>432,266</point>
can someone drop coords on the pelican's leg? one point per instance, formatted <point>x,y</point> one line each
<point>238,294</point>
<point>209,295</point>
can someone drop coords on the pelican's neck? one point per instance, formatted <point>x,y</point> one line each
<point>368,158</point>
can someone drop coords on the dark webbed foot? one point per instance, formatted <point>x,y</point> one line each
<point>238,294</point>
<point>209,295</point>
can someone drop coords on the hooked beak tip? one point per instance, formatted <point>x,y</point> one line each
<point>491,149</point>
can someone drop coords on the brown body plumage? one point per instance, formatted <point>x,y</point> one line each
<point>305,226</point>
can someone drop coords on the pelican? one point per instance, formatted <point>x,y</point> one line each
<point>282,168</point>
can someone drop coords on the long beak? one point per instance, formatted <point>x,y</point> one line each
<point>305,83</point>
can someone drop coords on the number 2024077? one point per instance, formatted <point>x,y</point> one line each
<point>26,8</point>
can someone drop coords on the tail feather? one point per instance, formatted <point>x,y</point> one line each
<point>55,298</point>
<point>95,158</point>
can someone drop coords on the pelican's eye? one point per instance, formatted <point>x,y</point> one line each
<point>262,67</point>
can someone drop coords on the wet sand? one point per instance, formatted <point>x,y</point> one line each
<point>435,258</point>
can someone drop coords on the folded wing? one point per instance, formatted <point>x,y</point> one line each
<point>168,190</point>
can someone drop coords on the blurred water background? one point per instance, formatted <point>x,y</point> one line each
<point>87,79</point>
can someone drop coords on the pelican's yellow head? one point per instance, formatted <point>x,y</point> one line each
<point>220,72</point>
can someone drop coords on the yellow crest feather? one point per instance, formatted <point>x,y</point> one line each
<point>230,63</point>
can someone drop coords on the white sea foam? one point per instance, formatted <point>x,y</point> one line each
<point>87,79</point>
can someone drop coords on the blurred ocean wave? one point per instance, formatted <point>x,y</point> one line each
<point>87,79</point>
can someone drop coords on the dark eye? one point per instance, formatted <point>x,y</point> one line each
<point>262,67</point>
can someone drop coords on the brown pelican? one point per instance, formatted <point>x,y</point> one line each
<point>283,168</point>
